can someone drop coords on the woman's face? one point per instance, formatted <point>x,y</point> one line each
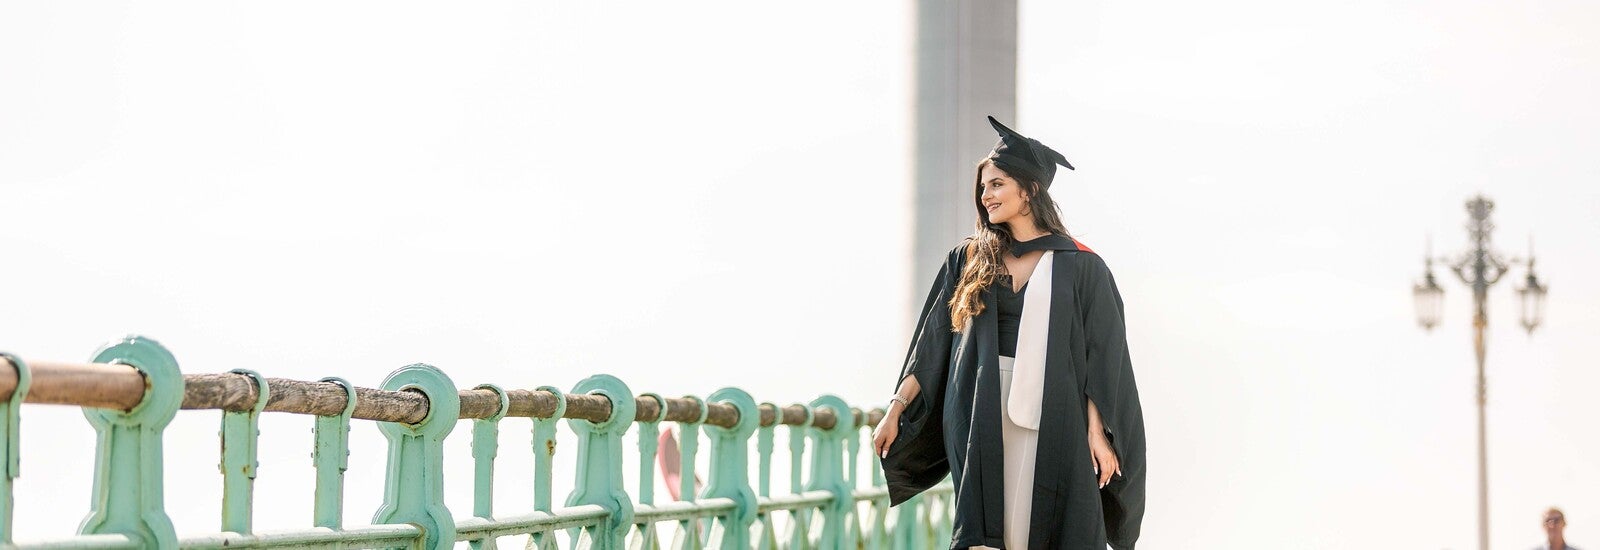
<point>1001,196</point>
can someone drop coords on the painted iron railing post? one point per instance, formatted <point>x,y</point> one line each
<point>852,469</point>
<point>413,489</point>
<point>649,431</point>
<point>485,446</point>
<point>599,479</point>
<point>730,466</point>
<point>544,451</point>
<point>764,446</point>
<point>240,433</point>
<point>827,471</point>
<point>689,535</point>
<point>879,537</point>
<point>127,496</point>
<point>799,520</point>
<point>331,457</point>
<point>908,526</point>
<point>10,425</point>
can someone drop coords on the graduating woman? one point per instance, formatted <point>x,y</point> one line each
<point>1018,383</point>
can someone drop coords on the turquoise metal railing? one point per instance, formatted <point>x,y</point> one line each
<point>133,389</point>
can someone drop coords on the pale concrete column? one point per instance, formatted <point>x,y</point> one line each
<point>966,68</point>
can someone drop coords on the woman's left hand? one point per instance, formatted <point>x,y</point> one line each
<point>1105,459</point>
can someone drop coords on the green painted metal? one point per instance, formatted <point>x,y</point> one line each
<point>906,525</point>
<point>370,536</point>
<point>544,452</point>
<point>534,522</point>
<point>330,455</point>
<point>730,470</point>
<point>485,445</point>
<point>689,446</point>
<point>11,423</point>
<point>827,470</point>
<point>599,476</point>
<point>879,523</point>
<point>413,490</point>
<point>766,537</point>
<point>689,534</point>
<point>924,519</point>
<point>869,537</point>
<point>544,449</point>
<point>831,504</point>
<point>852,465</point>
<point>127,496</point>
<point>84,542</point>
<point>764,444</point>
<point>240,433</point>
<point>649,432</point>
<point>944,520</point>
<point>705,508</point>
<point>797,451</point>
<point>799,519</point>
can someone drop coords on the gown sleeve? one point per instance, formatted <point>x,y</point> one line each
<point>916,459</point>
<point>1111,386</point>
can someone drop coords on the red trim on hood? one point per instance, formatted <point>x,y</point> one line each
<point>1082,247</point>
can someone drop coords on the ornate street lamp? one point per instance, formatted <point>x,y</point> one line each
<point>1479,268</point>
<point>1429,298</point>
<point>1532,293</point>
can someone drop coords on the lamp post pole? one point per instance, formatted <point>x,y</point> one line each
<point>1486,268</point>
<point>1480,268</point>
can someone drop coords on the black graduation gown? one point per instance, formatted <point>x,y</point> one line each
<point>953,425</point>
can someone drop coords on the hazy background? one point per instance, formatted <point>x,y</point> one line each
<point>695,195</point>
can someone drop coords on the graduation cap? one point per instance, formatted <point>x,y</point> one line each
<point>1020,155</point>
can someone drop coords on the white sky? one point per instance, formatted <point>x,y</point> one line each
<point>691,196</point>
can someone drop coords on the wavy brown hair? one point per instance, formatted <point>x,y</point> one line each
<point>990,240</point>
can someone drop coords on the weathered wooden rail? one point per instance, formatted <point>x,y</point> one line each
<point>132,388</point>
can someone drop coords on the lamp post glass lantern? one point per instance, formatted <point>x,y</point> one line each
<point>1430,300</point>
<point>1532,293</point>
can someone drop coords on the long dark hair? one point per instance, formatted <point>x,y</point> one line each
<point>990,240</point>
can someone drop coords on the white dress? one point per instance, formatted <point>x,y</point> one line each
<point>1020,446</point>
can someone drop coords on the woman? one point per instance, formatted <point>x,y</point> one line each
<point>1018,383</point>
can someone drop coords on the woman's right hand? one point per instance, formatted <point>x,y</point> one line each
<point>886,431</point>
<point>889,427</point>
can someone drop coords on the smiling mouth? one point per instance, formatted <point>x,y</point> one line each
<point>992,207</point>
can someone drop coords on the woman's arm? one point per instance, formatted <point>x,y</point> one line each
<point>909,388</point>
<point>889,427</point>
<point>1105,459</point>
<point>927,358</point>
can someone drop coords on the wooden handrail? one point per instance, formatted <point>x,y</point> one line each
<point>111,386</point>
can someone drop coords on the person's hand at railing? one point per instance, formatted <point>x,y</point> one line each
<point>889,427</point>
